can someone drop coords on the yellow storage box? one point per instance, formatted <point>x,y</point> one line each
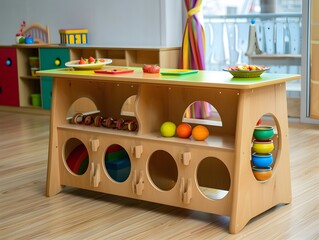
<point>74,36</point>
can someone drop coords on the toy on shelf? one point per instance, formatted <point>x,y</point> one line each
<point>34,65</point>
<point>262,157</point>
<point>20,34</point>
<point>184,130</point>
<point>33,33</point>
<point>92,118</point>
<point>73,36</point>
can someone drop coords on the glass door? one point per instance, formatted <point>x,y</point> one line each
<point>278,27</point>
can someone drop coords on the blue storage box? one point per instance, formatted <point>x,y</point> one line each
<point>119,169</point>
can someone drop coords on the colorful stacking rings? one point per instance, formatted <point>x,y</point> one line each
<point>262,147</point>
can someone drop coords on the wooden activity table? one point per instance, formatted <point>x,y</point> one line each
<point>213,176</point>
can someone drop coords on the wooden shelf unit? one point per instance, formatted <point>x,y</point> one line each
<point>213,176</point>
<point>130,56</point>
<point>48,53</point>
<point>28,84</point>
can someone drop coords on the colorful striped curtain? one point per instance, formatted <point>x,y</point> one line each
<point>193,49</point>
<point>193,53</point>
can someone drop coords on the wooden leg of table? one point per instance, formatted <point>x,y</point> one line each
<point>239,218</point>
<point>53,185</point>
<point>250,196</point>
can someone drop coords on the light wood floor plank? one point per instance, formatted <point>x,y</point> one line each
<point>26,213</point>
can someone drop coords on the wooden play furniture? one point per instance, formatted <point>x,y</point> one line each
<point>213,176</point>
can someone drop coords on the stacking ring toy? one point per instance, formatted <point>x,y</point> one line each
<point>110,123</point>
<point>88,120</point>
<point>98,121</point>
<point>77,118</point>
<point>119,123</point>
<point>130,125</point>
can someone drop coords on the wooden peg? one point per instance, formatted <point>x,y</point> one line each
<point>186,157</point>
<point>91,173</point>
<point>94,143</point>
<point>186,190</point>
<point>134,181</point>
<point>95,175</point>
<point>181,188</point>
<point>188,194</point>
<point>138,183</point>
<point>137,151</point>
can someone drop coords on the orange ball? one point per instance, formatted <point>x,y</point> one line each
<point>200,133</point>
<point>184,130</point>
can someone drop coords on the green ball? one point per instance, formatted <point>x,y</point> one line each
<point>168,129</point>
<point>21,40</point>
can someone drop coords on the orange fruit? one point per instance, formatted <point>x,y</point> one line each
<point>200,133</point>
<point>184,130</point>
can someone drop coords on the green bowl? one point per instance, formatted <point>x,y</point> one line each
<point>263,132</point>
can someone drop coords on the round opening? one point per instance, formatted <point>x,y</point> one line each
<point>265,145</point>
<point>202,112</point>
<point>81,107</point>
<point>117,163</point>
<point>8,62</point>
<point>213,178</point>
<point>76,156</point>
<point>128,107</point>
<point>163,170</point>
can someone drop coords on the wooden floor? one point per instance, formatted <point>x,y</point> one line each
<point>26,213</point>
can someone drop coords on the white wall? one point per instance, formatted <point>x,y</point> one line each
<point>123,23</point>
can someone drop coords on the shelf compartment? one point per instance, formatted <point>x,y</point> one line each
<point>224,143</point>
<point>29,78</point>
<point>118,56</point>
<point>157,104</point>
<point>23,55</point>
<point>213,178</point>
<point>117,163</point>
<point>27,84</point>
<point>162,170</point>
<point>30,86</point>
<point>137,58</point>
<point>74,172</point>
<point>77,52</point>
<point>76,156</point>
<point>108,98</point>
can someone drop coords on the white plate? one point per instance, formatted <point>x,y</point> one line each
<point>90,66</point>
